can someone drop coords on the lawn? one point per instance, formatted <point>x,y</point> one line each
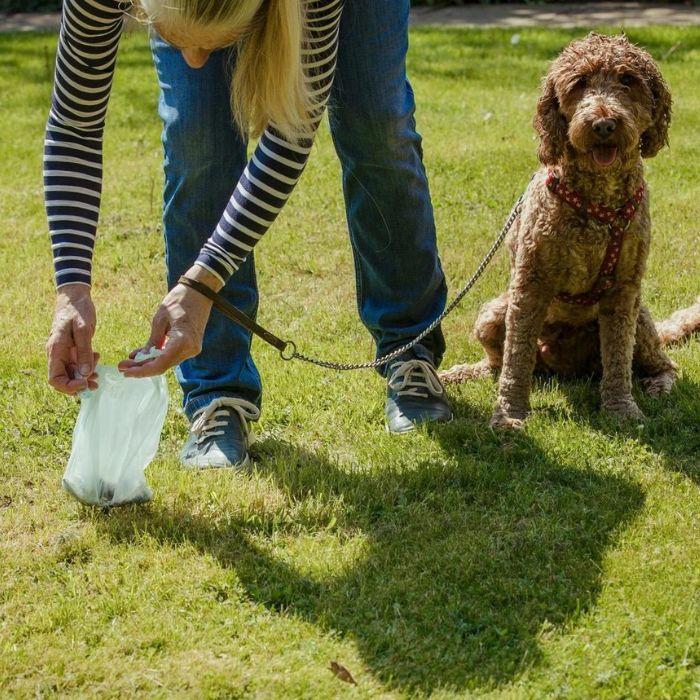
<point>559,562</point>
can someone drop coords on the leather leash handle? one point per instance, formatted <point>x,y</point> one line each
<point>237,316</point>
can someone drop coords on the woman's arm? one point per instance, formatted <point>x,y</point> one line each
<point>262,191</point>
<point>87,52</point>
<point>277,163</point>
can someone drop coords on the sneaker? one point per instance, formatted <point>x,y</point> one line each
<point>220,435</point>
<point>415,395</point>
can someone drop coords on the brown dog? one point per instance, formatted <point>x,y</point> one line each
<point>579,246</point>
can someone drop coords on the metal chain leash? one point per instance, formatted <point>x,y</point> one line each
<point>290,349</point>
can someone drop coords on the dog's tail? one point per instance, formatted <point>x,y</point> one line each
<point>680,325</point>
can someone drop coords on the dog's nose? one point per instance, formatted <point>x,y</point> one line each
<point>604,127</point>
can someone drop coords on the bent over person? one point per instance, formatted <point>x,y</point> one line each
<point>289,58</point>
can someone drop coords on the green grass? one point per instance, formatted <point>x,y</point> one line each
<point>560,562</point>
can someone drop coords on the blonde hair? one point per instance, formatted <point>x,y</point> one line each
<point>269,84</point>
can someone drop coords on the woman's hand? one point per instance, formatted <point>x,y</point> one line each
<point>177,327</point>
<point>69,347</point>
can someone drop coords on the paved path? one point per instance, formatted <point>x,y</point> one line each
<point>31,22</point>
<point>581,14</point>
<point>629,14</point>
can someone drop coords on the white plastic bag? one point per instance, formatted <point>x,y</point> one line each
<point>115,438</point>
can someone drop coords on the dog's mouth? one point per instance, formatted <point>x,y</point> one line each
<point>604,154</point>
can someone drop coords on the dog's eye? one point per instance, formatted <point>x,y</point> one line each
<point>581,83</point>
<point>627,79</point>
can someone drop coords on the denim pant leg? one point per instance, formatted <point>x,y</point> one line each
<point>400,283</point>
<point>204,157</point>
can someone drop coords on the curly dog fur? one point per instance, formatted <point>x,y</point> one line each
<point>604,106</point>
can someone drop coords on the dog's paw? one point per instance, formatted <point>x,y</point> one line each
<point>660,384</point>
<point>624,410</point>
<point>465,373</point>
<point>508,419</point>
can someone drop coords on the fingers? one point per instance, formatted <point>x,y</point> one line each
<point>132,361</point>
<point>92,382</point>
<point>177,329</point>
<point>92,379</point>
<point>158,339</point>
<point>61,373</point>
<point>74,370</point>
<point>82,335</point>
<point>150,368</point>
<point>159,330</point>
<point>64,373</point>
<point>177,349</point>
<point>71,361</point>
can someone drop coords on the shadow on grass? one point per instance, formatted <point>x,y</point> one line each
<point>671,428</point>
<point>469,560</point>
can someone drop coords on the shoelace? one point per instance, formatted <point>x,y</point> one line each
<point>415,378</point>
<point>208,421</point>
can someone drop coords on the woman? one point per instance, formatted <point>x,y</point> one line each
<point>286,52</point>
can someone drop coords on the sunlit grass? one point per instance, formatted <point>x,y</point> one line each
<point>561,562</point>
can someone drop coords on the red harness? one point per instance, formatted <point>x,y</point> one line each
<point>618,220</point>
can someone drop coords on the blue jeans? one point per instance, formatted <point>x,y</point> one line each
<point>401,288</point>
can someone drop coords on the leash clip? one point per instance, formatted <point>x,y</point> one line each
<point>289,351</point>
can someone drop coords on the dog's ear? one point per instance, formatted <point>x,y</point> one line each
<point>656,136</point>
<point>549,124</point>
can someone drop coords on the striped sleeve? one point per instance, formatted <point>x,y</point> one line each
<point>277,163</point>
<point>85,59</point>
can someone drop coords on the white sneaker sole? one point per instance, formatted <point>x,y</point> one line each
<point>202,465</point>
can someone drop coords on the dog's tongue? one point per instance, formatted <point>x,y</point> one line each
<point>604,155</point>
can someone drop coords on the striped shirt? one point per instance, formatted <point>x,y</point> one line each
<point>85,61</point>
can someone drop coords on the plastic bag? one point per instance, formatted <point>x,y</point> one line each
<point>115,438</point>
